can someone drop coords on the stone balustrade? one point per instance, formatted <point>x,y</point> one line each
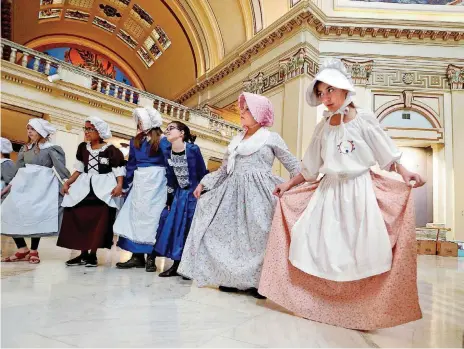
<point>57,70</point>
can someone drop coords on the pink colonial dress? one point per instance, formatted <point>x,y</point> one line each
<point>342,251</point>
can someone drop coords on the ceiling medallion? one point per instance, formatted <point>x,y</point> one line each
<point>110,11</point>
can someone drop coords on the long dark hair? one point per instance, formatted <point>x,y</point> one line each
<point>155,135</point>
<point>188,136</point>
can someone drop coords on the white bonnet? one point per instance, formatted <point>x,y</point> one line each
<point>7,147</point>
<point>333,73</point>
<point>42,127</point>
<point>149,117</point>
<point>101,126</point>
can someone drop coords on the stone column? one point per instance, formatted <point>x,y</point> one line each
<point>456,80</point>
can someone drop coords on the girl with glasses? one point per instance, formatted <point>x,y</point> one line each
<point>92,195</point>
<point>187,167</point>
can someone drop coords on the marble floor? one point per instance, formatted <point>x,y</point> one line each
<point>51,305</point>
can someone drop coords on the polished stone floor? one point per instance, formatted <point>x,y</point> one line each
<point>51,305</point>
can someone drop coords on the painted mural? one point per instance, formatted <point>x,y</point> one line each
<point>419,2</point>
<point>87,59</point>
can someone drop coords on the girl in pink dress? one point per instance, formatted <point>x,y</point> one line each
<point>342,250</point>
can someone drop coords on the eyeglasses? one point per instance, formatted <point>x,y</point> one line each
<point>170,128</point>
<point>89,129</point>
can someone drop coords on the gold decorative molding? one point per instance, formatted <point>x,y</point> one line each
<point>455,76</point>
<point>306,15</point>
<point>298,64</point>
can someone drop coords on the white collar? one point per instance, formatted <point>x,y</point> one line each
<point>2,160</point>
<point>41,145</point>
<point>239,146</point>
<point>96,151</point>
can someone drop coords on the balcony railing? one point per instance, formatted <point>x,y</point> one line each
<point>56,69</point>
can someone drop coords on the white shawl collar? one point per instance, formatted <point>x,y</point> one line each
<point>2,160</point>
<point>246,147</point>
<point>41,145</point>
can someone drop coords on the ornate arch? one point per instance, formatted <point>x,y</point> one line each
<point>408,103</point>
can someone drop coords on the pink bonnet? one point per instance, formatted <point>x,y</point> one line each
<point>260,108</point>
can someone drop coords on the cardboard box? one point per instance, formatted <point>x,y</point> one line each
<point>428,247</point>
<point>447,249</point>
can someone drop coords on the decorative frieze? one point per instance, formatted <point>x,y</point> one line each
<point>298,64</point>
<point>303,16</point>
<point>360,71</point>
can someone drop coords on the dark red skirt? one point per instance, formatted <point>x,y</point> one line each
<point>88,225</point>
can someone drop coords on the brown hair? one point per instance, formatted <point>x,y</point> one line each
<point>40,140</point>
<point>315,91</point>
<point>155,135</point>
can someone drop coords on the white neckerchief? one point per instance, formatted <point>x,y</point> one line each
<point>2,160</point>
<point>41,145</point>
<point>238,146</point>
<point>343,110</point>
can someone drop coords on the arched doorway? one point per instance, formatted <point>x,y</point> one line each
<point>417,132</point>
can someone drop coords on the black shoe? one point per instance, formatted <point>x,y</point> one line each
<point>91,261</point>
<point>171,271</point>
<point>254,292</point>
<point>228,289</point>
<point>134,262</point>
<point>151,266</point>
<point>79,260</point>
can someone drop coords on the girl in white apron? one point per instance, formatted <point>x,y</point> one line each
<point>8,170</point>
<point>93,195</point>
<point>341,250</point>
<point>32,207</point>
<point>146,184</point>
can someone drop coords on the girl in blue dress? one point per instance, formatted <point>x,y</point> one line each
<point>187,167</point>
<point>146,183</point>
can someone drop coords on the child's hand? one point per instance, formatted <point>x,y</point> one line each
<point>408,177</point>
<point>117,191</point>
<point>198,190</point>
<point>65,189</point>
<point>281,189</point>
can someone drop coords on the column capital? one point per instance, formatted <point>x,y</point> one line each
<point>360,70</point>
<point>455,76</point>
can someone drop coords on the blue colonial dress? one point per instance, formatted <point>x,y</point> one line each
<point>146,181</point>
<point>188,169</point>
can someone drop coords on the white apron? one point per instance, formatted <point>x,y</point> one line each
<point>139,217</point>
<point>341,235</point>
<point>31,208</point>
<point>102,184</point>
